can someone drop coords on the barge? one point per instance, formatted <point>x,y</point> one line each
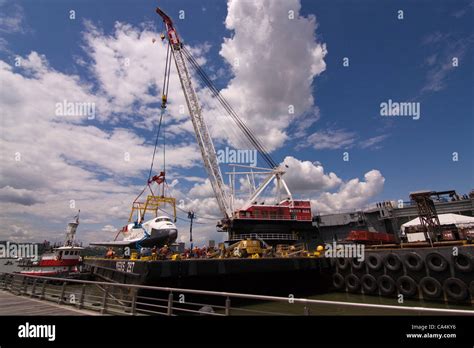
<point>431,258</point>
<point>440,268</point>
<point>276,276</point>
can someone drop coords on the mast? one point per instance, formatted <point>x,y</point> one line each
<point>71,231</point>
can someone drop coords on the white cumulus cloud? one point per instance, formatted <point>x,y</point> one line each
<point>351,195</point>
<point>306,176</point>
<point>274,55</point>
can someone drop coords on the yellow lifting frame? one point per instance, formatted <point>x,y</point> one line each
<point>153,203</point>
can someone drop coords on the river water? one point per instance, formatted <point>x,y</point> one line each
<point>8,268</point>
<point>332,309</point>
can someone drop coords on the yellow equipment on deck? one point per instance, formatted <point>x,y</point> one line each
<point>251,246</point>
<point>246,248</point>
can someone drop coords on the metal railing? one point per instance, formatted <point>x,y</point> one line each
<point>128,299</point>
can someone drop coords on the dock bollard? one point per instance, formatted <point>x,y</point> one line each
<point>170,304</point>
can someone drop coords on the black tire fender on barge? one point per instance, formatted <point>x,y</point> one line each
<point>352,283</point>
<point>436,262</point>
<point>338,281</point>
<point>386,285</point>
<point>431,288</point>
<point>342,263</point>
<point>374,262</point>
<point>356,264</point>
<point>413,261</point>
<point>455,289</point>
<point>392,262</point>
<point>463,263</point>
<point>369,283</point>
<point>406,286</point>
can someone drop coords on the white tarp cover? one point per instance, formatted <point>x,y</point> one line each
<point>445,219</point>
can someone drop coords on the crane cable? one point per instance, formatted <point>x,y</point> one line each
<point>251,137</point>
<point>187,211</point>
<point>207,81</point>
<point>166,82</point>
<point>163,108</point>
<point>184,219</point>
<point>156,144</point>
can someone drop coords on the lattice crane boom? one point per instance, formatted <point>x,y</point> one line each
<point>203,137</point>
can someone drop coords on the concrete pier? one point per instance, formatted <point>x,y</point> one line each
<point>11,304</point>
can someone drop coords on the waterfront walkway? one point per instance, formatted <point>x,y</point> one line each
<point>20,305</point>
<point>86,297</point>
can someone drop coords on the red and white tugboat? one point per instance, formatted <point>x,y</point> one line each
<point>63,261</point>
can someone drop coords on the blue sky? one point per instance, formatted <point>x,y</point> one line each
<point>404,60</point>
<point>388,61</point>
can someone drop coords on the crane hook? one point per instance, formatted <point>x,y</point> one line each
<point>164,100</point>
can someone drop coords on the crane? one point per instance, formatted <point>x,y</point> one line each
<point>293,213</point>
<point>203,138</point>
